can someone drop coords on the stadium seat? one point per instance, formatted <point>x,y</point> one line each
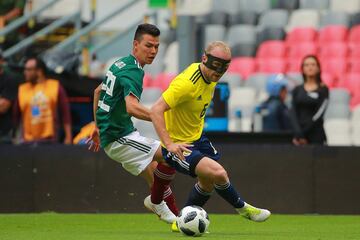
<point>335,18</point>
<point>273,18</point>
<point>213,32</point>
<point>258,6</point>
<point>301,34</point>
<point>328,79</point>
<point>355,120</point>
<point>147,80</point>
<point>333,50</point>
<point>58,10</point>
<point>287,4</point>
<point>301,49</point>
<point>217,17</point>
<point>354,65</point>
<point>337,67</point>
<point>244,66</point>
<point>336,111</point>
<point>354,36</point>
<point>339,96</point>
<point>163,80</point>
<point>233,80</point>
<point>333,34</point>
<point>243,17</point>
<point>271,49</point>
<point>241,98</point>
<point>338,132</point>
<point>293,64</point>
<point>243,50</point>
<point>241,33</point>
<point>350,6</point>
<point>271,65</point>
<point>271,33</point>
<point>354,51</point>
<point>257,81</point>
<point>303,18</point>
<point>229,6</point>
<point>314,4</point>
<point>352,83</point>
<point>194,8</point>
<point>355,19</point>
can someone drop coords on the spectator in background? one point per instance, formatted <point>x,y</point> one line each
<point>8,92</point>
<point>39,100</point>
<point>9,11</point>
<point>276,115</point>
<point>310,101</point>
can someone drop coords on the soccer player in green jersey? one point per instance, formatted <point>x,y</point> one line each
<point>116,100</point>
<point>178,116</point>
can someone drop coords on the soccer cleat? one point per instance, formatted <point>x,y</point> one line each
<point>174,227</point>
<point>253,213</point>
<point>162,210</point>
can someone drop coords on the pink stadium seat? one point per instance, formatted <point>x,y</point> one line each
<point>337,67</point>
<point>333,50</point>
<point>301,34</point>
<point>293,65</point>
<point>147,80</point>
<point>354,36</point>
<point>271,49</point>
<point>328,79</point>
<point>243,66</point>
<point>354,50</point>
<point>353,85</point>
<point>300,50</point>
<point>354,65</point>
<point>271,65</point>
<point>335,33</point>
<point>163,80</point>
<point>350,81</point>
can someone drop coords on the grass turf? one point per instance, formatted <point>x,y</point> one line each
<point>52,226</point>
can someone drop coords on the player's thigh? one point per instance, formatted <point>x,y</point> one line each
<point>210,170</point>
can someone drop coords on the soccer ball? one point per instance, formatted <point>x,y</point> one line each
<point>193,221</point>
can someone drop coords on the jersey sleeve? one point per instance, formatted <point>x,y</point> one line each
<point>179,91</point>
<point>131,80</point>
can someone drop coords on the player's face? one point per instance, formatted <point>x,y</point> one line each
<point>211,74</point>
<point>30,71</point>
<point>310,67</point>
<point>146,49</point>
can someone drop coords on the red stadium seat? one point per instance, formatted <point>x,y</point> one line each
<point>333,50</point>
<point>163,80</point>
<point>271,65</point>
<point>293,65</point>
<point>354,65</point>
<point>354,50</point>
<point>300,50</point>
<point>328,79</point>
<point>353,85</point>
<point>243,66</point>
<point>350,81</point>
<point>301,34</point>
<point>147,80</point>
<point>336,33</point>
<point>271,49</point>
<point>337,67</point>
<point>354,36</point>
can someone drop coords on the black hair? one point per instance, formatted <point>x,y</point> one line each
<point>40,64</point>
<point>318,75</point>
<point>146,28</point>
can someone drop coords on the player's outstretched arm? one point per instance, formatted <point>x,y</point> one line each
<point>136,109</point>
<point>157,117</point>
<point>94,140</point>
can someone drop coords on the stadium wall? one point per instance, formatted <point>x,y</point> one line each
<point>283,178</point>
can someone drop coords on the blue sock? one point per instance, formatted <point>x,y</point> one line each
<point>228,192</point>
<point>198,196</point>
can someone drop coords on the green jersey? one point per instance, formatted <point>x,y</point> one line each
<point>124,77</point>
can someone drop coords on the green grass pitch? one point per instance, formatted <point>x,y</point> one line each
<point>52,226</point>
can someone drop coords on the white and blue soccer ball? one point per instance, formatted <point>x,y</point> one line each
<point>193,221</point>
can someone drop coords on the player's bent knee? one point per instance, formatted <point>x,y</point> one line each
<point>220,176</point>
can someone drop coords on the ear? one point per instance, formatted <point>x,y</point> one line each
<point>135,44</point>
<point>204,58</point>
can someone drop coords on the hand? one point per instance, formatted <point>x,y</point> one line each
<point>299,141</point>
<point>94,140</point>
<point>178,149</point>
<point>303,141</point>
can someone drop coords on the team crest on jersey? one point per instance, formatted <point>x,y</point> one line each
<point>120,64</point>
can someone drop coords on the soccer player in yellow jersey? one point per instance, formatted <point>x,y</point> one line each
<point>178,117</point>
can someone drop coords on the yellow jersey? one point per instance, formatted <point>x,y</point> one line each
<point>188,97</point>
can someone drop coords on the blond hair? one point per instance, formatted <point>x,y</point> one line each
<point>220,44</point>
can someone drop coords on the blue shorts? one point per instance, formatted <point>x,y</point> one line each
<point>202,148</point>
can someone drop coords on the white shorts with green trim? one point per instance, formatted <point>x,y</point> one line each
<point>133,151</point>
